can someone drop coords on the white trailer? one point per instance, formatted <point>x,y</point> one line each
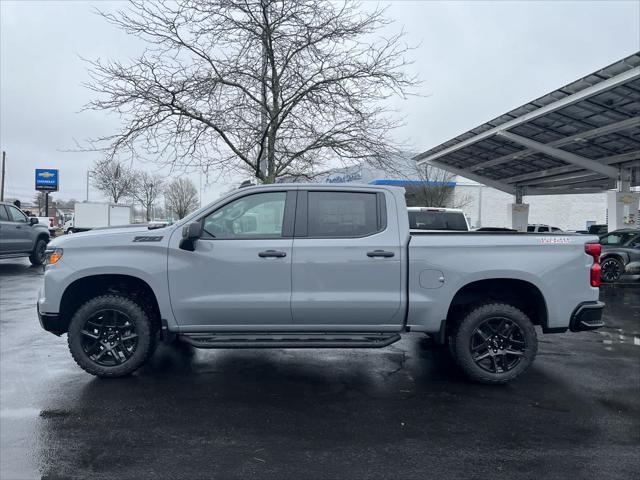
<point>89,215</point>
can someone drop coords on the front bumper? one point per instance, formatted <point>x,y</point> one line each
<point>51,322</point>
<point>588,316</point>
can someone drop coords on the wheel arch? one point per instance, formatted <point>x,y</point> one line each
<point>43,236</point>
<point>623,257</point>
<point>85,288</point>
<point>522,294</point>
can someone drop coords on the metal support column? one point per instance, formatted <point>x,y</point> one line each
<point>519,194</point>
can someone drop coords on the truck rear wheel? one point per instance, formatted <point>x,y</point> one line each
<point>111,336</point>
<point>494,343</point>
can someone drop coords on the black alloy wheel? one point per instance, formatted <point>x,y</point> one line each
<point>497,345</point>
<point>494,343</point>
<point>109,337</point>
<point>611,269</point>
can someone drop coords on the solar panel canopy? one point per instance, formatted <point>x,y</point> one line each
<point>581,138</point>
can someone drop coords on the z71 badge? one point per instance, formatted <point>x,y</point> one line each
<point>148,238</point>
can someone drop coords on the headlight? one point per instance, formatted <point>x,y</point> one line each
<point>52,256</point>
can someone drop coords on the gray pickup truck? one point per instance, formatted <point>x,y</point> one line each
<point>290,266</point>
<point>22,236</point>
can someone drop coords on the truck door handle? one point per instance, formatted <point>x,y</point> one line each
<point>272,253</point>
<point>380,253</point>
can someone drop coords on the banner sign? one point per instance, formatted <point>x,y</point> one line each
<point>47,179</point>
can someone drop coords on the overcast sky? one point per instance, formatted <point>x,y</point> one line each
<point>477,60</point>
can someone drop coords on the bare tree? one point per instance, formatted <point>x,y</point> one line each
<point>148,187</point>
<point>272,87</point>
<point>39,202</point>
<point>181,197</point>
<point>435,189</point>
<point>113,179</point>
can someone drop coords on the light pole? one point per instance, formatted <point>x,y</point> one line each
<point>88,173</point>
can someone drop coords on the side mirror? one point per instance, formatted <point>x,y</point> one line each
<point>33,220</point>
<point>190,233</point>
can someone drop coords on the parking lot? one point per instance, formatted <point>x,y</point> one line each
<point>399,412</point>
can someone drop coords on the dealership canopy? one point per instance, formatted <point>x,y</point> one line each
<point>581,138</point>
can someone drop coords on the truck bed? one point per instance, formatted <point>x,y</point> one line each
<point>441,263</point>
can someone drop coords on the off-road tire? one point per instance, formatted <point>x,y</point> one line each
<point>38,255</point>
<point>461,346</point>
<point>142,325</point>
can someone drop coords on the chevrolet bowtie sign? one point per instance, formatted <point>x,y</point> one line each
<point>47,179</point>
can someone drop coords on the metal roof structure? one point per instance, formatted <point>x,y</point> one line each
<point>578,139</point>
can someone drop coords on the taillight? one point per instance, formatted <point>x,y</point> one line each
<point>594,249</point>
<point>50,222</point>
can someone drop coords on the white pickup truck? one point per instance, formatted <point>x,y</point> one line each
<point>290,266</point>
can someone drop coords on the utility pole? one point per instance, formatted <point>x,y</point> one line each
<point>4,154</point>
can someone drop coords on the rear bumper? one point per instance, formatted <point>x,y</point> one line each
<point>51,322</point>
<point>587,316</point>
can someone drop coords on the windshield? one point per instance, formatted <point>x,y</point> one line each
<point>435,220</point>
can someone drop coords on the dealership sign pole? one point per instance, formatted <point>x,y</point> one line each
<point>46,181</point>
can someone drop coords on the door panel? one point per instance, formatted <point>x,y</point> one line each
<point>18,231</point>
<point>345,281</point>
<point>226,282</point>
<point>240,271</point>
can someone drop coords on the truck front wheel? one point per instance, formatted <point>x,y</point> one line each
<point>494,343</point>
<point>110,336</point>
<point>38,254</point>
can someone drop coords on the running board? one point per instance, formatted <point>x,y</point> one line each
<point>289,340</point>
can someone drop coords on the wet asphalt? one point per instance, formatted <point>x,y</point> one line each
<point>399,412</point>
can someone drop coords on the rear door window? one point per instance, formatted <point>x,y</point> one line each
<point>435,220</point>
<point>543,229</point>
<point>342,214</point>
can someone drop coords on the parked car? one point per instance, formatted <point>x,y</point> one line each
<point>542,228</point>
<point>432,218</point>
<point>21,236</point>
<point>620,254</point>
<point>303,265</point>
